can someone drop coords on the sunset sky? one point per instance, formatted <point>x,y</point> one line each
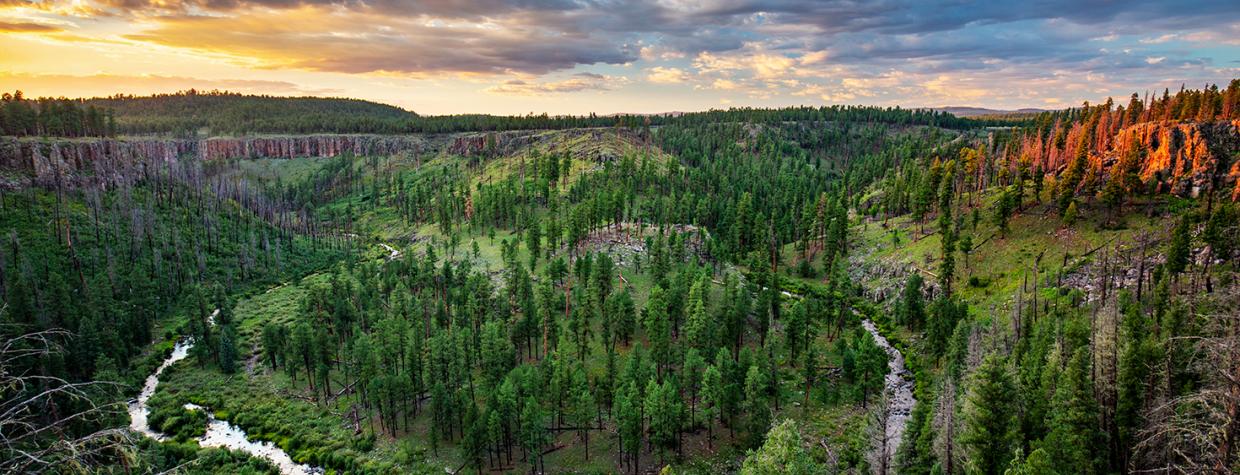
<point>566,56</point>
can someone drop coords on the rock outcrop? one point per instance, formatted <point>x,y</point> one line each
<point>1183,158</point>
<point>307,146</point>
<point>591,144</point>
<point>46,159</point>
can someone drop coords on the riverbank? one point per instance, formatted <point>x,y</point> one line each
<point>219,433</point>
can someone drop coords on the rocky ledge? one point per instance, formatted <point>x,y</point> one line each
<point>47,158</point>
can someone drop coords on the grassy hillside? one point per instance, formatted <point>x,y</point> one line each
<point>997,263</point>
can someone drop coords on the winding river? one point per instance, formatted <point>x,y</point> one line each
<point>898,385</point>
<point>899,389</point>
<point>219,433</point>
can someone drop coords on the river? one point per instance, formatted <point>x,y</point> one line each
<point>219,433</point>
<point>899,389</point>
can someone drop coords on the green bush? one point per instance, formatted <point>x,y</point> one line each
<point>179,423</point>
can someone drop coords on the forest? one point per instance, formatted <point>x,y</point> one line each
<point>758,291</point>
<point>192,114</point>
<point>20,116</point>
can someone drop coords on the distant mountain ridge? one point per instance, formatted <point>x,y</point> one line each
<point>970,111</point>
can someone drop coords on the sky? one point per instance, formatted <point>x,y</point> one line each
<point>615,56</point>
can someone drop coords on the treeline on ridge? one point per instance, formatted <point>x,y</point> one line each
<point>61,117</point>
<point>190,113</point>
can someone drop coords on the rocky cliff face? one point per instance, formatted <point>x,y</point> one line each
<point>595,144</point>
<point>307,146</point>
<point>1183,158</point>
<point>42,160</point>
<point>45,159</point>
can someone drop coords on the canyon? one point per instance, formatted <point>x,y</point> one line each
<point>1181,158</point>
<point>73,160</point>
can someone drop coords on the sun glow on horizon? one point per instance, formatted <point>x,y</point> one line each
<point>575,59</point>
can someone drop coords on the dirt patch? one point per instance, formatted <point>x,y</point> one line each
<point>625,242</point>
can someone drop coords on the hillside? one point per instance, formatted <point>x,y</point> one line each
<point>1071,274</point>
<point>858,284</point>
<point>221,113</point>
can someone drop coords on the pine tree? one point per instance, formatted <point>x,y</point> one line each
<point>991,432</point>
<point>1070,214</point>
<point>1004,208</point>
<point>947,258</point>
<point>274,336</point>
<point>756,405</point>
<point>915,456</point>
<point>1075,439</point>
<point>621,308</point>
<point>796,329</point>
<point>228,350</point>
<point>912,309</point>
<point>783,453</point>
<point>966,248</point>
<point>583,410</point>
<point>473,444</point>
<point>699,331</point>
<point>533,243</point>
<point>629,420</point>
<point>1178,254</point>
<point>663,408</point>
<point>658,328</point>
<point>690,380</point>
<point>533,432</point>
<point>712,399</point>
<point>1137,358</point>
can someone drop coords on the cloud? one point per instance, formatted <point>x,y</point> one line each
<point>884,52</point>
<point>109,84</point>
<point>1159,39</point>
<point>659,53</point>
<point>662,75</point>
<point>577,83</point>
<point>1226,35</point>
<point>347,41</point>
<point>471,10</point>
<point>915,17</point>
<point>21,27</point>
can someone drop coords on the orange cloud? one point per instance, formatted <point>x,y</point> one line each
<point>579,82</point>
<point>662,75</point>
<point>108,84</point>
<point>15,27</point>
<point>356,41</point>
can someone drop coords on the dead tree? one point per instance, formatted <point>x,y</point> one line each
<point>34,437</point>
<point>1198,432</point>
<point>881,442</point>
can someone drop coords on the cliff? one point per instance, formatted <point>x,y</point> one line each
<point>42,160</point>
<point>45,158</point>
<point>1183,158</point>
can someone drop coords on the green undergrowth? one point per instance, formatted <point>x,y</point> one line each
<point>990,276</point>
<point>260,406</point>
